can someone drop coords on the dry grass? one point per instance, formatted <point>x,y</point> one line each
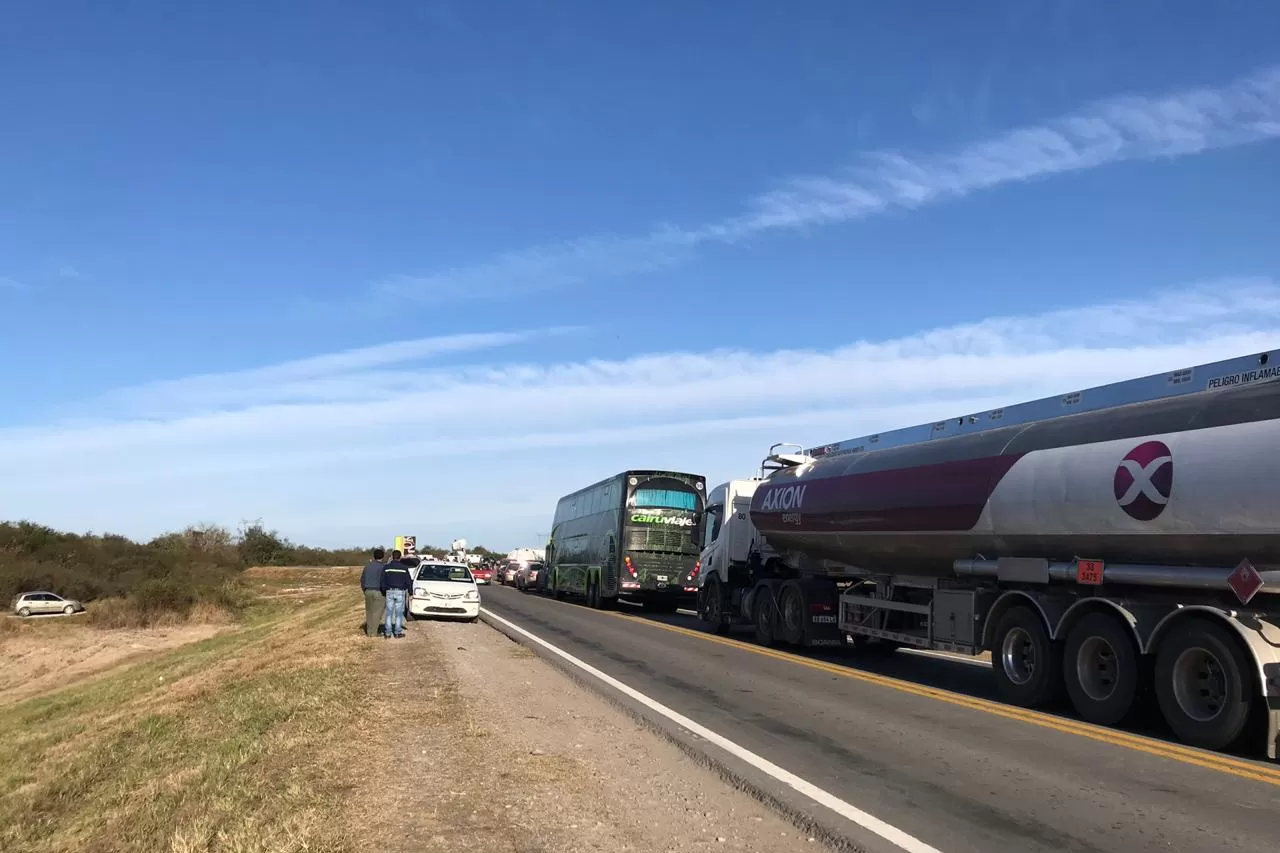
<point>232,743</point>
<point>117,613</point>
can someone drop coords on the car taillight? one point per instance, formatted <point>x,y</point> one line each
<point>630,568</point>
<point>697,567</point>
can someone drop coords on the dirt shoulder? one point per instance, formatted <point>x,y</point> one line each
<point>496,750</point>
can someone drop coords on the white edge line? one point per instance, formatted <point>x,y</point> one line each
<point>846,810</point>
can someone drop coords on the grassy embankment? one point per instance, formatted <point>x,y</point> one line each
<point>192,575</point>
<point>239,742</point>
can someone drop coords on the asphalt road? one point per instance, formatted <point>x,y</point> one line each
<point>911,740</point>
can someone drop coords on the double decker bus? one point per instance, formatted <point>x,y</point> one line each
<point>630,536</point>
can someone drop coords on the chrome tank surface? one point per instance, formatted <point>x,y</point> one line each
<point>1192,480</point>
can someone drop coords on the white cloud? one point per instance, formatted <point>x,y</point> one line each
<point>11,284</point>
<point>319,377</point>
<point>1121,129</point>
<point>360,445</point>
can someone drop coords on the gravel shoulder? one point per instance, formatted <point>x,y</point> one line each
<point>485,747</point>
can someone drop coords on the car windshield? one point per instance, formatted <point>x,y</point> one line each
<point>434,572</point>
<point>536,567</point>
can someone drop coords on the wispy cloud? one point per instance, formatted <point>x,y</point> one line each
<point>342,375</point>
<point>11,284</point>
<point>366,437</point>
<point>1114,131</point>
<point>69,272</point>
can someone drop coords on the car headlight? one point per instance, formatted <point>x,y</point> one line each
<point>473,595</point>
<point>420,591</point>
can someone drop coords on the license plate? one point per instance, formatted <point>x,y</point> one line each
<point>660,578</point>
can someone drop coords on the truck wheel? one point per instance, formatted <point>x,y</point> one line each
<point>791,614</point>
<point>1203,684</point>
<point>1101,669</point>
<point>711,606</point>
<point>1027,667</point>
<point>764,616</point>
<point>593,595</point>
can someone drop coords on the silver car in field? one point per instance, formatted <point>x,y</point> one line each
<point>33,603</point>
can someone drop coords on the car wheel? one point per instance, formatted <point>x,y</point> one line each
<point>68,610</point>
<point>24,612</point>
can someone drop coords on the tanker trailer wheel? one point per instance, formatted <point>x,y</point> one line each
<point>763,611</point>
<point>791,614</point>
<point>1203,684</point>
<point>711,606</point>
<point>1027,666</point>
<point>1101,668</point>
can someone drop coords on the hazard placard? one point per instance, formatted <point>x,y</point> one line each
<point>1245,581</point>
<point>1089,572</point>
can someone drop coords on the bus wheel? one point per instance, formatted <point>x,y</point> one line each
<point>711,606</point>
<point>593,595</point>
<point>1025,662</point>
<point>1203,684</point>
<point>1102,669</point>
<point>764,616</point>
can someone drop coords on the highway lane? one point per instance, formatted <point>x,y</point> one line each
<point>962,774</point>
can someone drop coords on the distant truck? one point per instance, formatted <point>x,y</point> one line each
<point>1100,544</point>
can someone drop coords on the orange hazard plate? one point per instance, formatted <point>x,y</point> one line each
<point>1089,572</point>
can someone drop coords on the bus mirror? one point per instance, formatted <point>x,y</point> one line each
<point>696,533</point>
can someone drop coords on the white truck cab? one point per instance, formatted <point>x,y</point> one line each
<point>727,531</point>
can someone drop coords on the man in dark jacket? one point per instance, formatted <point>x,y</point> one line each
<point>396,583</point>
<point>374,601</point>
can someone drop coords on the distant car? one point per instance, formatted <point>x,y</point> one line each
<point>31,603</point>
<point>509,573</point>
<point>447,590</point>
<point>527,576</point>
<point>482,574</point>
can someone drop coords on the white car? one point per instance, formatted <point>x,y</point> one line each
<point>444,589</point>
<point>30,603</point>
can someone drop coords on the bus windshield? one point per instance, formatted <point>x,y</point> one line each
<point>665,499</point>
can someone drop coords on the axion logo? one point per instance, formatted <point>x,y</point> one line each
<point>784,498</point>
<point>1144,480</point>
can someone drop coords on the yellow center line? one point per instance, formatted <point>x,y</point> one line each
<point>1151,746</point>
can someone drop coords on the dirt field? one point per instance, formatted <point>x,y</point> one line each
<point>291,731</point>
<point>56,651</point>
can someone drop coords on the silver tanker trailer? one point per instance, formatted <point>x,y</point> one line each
<point>1100,544</point>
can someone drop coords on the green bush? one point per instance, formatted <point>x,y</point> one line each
<point>171,572</point>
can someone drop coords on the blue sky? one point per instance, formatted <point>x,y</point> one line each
<point>362,269</point>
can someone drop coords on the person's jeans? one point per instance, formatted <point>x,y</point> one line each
<point>394,624</point>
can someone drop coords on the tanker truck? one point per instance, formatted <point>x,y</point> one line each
<point>1106,544</point>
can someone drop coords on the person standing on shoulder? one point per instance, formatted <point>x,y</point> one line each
<point>374,601</point>
<point>396,583</point>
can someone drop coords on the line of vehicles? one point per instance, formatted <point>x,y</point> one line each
<point>1119,546</point>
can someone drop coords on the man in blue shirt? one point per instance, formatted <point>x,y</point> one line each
<point>396,583</point>
<point>374,601</point>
